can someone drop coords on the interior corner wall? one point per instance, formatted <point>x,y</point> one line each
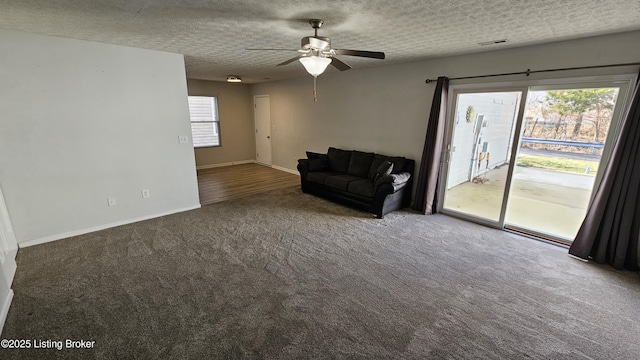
<point>385,109</point>
<point>235,109</point>
<point>82,122</point>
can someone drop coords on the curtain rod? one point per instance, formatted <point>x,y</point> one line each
<point>529,71</point>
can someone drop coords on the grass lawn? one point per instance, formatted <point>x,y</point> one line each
<point>559,164</point>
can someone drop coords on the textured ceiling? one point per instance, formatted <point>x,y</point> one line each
<point>214,35</point>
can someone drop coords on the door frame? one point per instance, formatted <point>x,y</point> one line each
<point>8,244</point>
<point>456,90</point>
<point>8,251</point>
<point>268,126</point>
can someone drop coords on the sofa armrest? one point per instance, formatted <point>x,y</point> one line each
<point>395,179</point>
<point>398,186</point>
<point>391,183</point>
<point>303,167</point>
<point>401,178</point>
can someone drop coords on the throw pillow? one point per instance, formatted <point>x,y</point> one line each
<point>375,164</point>
<point>314,155</point>
<point>384,169</point>
<point>317,165</point>
<point>317,162</point>
<point>398,163</point>
<point>384,179</point>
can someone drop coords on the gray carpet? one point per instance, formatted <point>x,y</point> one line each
<point>285,275</point>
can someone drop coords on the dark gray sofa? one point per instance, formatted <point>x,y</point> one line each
<point>375,183</point>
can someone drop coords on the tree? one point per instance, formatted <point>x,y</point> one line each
<point>535,102</point>
<point>577,102</point>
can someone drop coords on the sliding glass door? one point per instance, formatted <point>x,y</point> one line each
<point>479,153</point>
<point>528,159</point>
<point>560,151</point>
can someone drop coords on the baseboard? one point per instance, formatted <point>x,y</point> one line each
<point>4,311</point>
<point>294,172</point>
<point>50,238</point>
<point>211,166</point>
<point>577,258</point>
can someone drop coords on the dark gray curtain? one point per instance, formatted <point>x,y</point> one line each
<point>609,233</point>
<point>426,199</point>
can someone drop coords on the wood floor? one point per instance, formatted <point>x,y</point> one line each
<point>231,182</point>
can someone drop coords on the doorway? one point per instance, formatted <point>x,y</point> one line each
<point>262,119</point>
<point>528,158</point>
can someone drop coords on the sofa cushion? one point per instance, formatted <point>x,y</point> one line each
<point>362,187</point>
<point>384,169</point>
<point>320,177</point>
<point>339,159</point>
<point>360,164</point>
<point>340,182</point>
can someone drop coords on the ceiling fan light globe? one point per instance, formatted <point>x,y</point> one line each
<point>315,65</point>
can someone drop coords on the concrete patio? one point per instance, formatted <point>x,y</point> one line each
<point>543,200</point>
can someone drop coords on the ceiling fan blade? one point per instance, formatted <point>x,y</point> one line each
<point>362,53</point>
<point>274,49</point>
<point>338,64</point>
<point>290,60</point>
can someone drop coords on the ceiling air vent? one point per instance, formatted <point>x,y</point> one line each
<point>492,42</point>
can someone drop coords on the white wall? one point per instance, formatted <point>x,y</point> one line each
<point>83,121</point>
<point>365,110</point>
<point>385,109</point>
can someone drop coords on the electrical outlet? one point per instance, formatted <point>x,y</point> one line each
<point>183,139</point>
<point>111,202</point>
<point>145,193</point>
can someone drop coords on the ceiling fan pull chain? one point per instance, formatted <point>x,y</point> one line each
<point>315,93</point>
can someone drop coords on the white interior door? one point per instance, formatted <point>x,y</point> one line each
<point>262,117</point>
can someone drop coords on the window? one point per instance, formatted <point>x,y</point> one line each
<point>205,124</point>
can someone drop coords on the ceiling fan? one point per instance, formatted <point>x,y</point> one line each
<point>316,53</point>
